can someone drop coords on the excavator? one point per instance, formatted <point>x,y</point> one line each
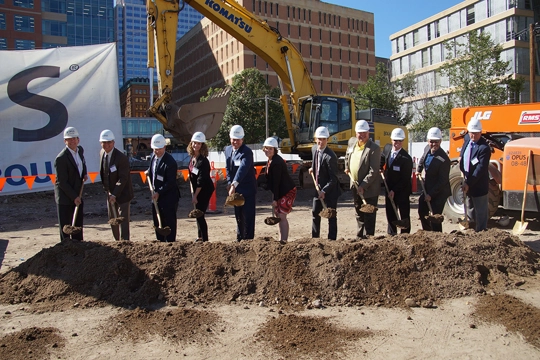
<point>304,109</point>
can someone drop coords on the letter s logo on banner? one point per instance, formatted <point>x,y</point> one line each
<point>17,90</point>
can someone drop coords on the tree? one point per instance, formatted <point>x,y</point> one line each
<point>379,92</point>
<point>475,71</point>
<point>246,107</point>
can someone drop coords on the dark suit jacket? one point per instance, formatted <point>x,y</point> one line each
<point>478,176</point>
<point>202,179</point>
<point>328,180</point>
<point>68,181</point>
<point>278,179</point>
<point>244,174</point>
<point>369,176</point>
<point>165,180</point>
<point>398,175</point>
<point>119,175</point>
<point>437,180</point>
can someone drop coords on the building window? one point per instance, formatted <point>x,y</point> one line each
<point>310,50</point>
<point>28,4</point>
<point>415,37</point>
<point>330,35</point>
<point>25,45</point>
<point>3,44</point>
<point>2,21</point>
<point>470,15</point>
<point>436,29</point>
<point>54,28</point>
<point>320,51</point>
<point>24,23</point>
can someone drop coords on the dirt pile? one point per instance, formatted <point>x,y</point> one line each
<point>384,271</point>
<point>31,343</point>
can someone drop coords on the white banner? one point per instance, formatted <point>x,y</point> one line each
<point>41,93</point>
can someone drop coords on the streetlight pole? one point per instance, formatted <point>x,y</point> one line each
<point>266,114</point>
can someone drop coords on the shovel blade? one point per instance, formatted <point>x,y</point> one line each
<point>328,213</point>
<point>163,231</point>
<point>196,213</point>
<point>402,224</point>
<point>519,227</point>
<point>272,220</point>
<point>368,209</point>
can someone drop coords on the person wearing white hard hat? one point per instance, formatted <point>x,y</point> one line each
<point>162,175</point>
<point>324,169</point>
<point>282,186</point>
<point>474,164</point>
<point>241,179</point>
<point>362,164</point>
<point>71,173</point>
<point>436,165</point>
<point>397,168</point>
<point>116,179</point>
<point>200,181</point>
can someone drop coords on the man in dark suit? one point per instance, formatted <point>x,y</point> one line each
<point>436,164</point>
<point>241,179</point>
<point>474,164</point>
<point>162,175</point>
<point>116,179</point>
<point>70,170</point>
<point>397,172</point>
<point>362,163</point>
<point>324,169</point>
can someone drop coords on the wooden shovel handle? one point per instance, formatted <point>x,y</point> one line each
<point>424,191</point>
<point>391,200</point>
<point>319,190</point>
<point>77,206</point>
<point>526,186</point>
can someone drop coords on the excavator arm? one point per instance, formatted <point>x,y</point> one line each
<point>303,108</point>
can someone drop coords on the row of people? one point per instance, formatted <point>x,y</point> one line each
<point>363,163</point>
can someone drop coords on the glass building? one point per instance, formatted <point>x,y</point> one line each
<point>130,19</point>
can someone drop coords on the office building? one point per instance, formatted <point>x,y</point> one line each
<point>337,44</point>
<point>130,19</point>
<point>29,24</point>
<point>421,47</point>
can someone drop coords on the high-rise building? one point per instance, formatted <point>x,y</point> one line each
<point>130,19</point>
<point>421,47</point>
<point>29,24</point>
<point>336,42</point>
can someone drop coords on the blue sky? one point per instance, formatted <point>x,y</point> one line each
<point>394,15</point>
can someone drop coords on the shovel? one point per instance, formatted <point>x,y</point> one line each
<point>72,229</point>
<point>520,226</point>
<point>195,213</point>
<point>465,221</point>
<point>365,208</point>
<point>437,218</point>
<point>272,220</point>
<point>326,212</point>
<point>164,231</point>
<point>402,224</point>
<point>115,220</point>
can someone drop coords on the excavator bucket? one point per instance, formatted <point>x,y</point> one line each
<point>205,116</point>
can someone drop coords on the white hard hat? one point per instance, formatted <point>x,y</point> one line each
<point>158,142</point>
<point>237,132</point>
<point>397,134</point>
<point>322,133</point>
<point>70,132</point>
<point>474,126</point>
<point>106,135</point>
<point>361,126</point>
<point>434,134</point>
<point>198,137</point>
<point>271,142</point>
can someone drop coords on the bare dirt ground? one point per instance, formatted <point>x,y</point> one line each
<point>424,295</point>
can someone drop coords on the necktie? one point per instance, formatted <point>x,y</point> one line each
<point>318,164</point>
<point>392,157</point>
<point>467,156</point>
<point>154,170</point>
<point>106,172</point>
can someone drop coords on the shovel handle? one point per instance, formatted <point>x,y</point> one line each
<point>154,201</point>
<point>319,190</point>
<point>355,184</point>
<point>424,191</point>
<point>391,200</point>
<point>77,206</point>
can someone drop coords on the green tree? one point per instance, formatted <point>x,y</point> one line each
<point>379,92</point>
<point>475,71</point>
<point>246,107</point>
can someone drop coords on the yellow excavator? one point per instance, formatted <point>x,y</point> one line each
<point>304,109</point>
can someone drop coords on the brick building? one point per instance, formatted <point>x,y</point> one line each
<point>337,44</point>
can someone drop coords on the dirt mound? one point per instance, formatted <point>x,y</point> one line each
<point>293,336</point>
<point>180,325</point>
<point>385,271</point>
<point>31,343</point>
